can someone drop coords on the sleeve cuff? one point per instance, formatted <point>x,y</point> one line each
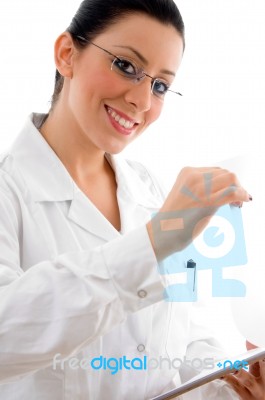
<point>133,267</point>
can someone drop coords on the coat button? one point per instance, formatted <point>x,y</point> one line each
<point>141,348</point>
<point>142,294</point>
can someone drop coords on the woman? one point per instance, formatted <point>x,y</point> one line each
<point>79,255</point>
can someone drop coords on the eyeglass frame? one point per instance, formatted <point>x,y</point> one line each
<point>138,79</point>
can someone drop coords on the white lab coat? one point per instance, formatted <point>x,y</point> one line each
<point>70,284</point>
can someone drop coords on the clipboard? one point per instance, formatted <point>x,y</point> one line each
<point>217,372</point>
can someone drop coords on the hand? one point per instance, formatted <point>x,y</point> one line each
<point>197,194</point>
<point>249,385</point>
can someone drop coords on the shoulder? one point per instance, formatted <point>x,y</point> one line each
<point>12,185</point>
<point>6,169</point>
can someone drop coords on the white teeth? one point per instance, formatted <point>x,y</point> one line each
<point>122,122</point>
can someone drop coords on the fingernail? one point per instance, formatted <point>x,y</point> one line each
<point>237,204</point>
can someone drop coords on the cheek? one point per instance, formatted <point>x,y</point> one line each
<point>98,81</point>
<point>105,85</point>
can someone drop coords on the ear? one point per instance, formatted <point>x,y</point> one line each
<point>63,54</point>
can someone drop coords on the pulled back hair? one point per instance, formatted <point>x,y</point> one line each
<point>95,16</point>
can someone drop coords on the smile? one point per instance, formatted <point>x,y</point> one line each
<point>124,123</point>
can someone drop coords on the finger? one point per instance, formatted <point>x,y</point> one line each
<point>205,169</point>
<point>225,185</point>
<point>262,372</point>
<point>208,187</point>
<point>238,204</point>
<point>245,383</point>
<point>254,369</point>
<point>242,391</point>
<point>202,185</point>
<point>230,195</point>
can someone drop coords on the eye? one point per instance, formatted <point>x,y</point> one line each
<point>159,88</point>
<point>125,67</point>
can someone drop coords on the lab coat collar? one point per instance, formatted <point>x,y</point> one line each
<point>48,180</point>
<point>45,175</point>
<point>134,183</point>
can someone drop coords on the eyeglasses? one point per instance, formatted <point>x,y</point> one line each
<point>130,70</point>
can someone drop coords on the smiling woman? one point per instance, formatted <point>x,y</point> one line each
<point>114,99</point>
<point>79,258</point>
<point>103,17</point>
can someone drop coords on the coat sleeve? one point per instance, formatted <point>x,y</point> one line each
<point>62,305</point>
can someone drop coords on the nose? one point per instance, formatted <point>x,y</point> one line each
<point>139,95</point>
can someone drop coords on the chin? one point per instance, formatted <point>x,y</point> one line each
<point>115,148</point>
<point>114,151</point>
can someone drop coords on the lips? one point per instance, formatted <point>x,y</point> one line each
<point>121,119</point>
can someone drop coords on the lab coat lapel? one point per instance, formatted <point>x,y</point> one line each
<point>136,202</point>
<point>134,183</point>
<point>85,214</point>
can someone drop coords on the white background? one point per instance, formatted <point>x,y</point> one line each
<point>221,114</point>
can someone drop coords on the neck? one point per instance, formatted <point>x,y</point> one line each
<point>81,158</point>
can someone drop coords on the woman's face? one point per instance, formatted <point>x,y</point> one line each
<point>109,110</point>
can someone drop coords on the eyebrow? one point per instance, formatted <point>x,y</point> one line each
<point>144,60</point>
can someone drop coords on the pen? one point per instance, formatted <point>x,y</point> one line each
<point>192,264</point>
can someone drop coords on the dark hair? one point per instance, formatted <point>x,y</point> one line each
<point>95,16</point>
